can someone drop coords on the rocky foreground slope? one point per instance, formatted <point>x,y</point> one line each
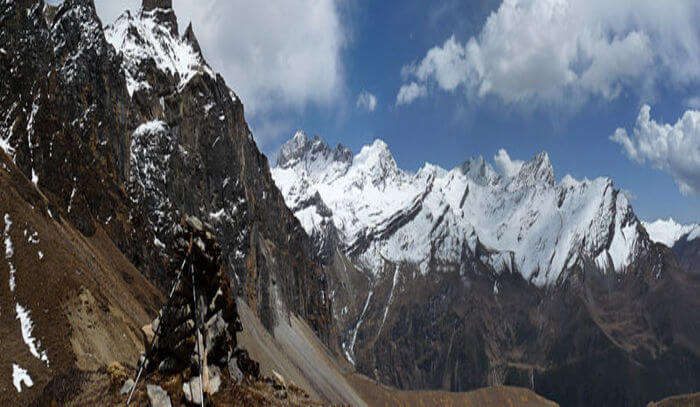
<point>462,278</point>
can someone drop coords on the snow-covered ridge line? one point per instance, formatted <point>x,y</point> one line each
<point>668,232</point>
<point>143,36</point>
<point>524,221</point>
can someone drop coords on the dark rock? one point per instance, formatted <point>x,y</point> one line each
<point>247,365</point>
<point>148,5</point>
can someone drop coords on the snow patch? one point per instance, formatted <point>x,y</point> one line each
<point>694,234</point>
<point>9,251</point>
<point>27,326</point>
<point>20,377</point>
<point>351,348</point>
<point>158,243</point>
<point>217,215</point>
<point>391,296</point>
<point>6,147</point>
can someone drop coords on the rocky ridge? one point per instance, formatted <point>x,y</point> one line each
<point>194,153</point>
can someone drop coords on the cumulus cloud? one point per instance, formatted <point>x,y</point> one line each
<point>672,148</point>
<point>276,54</point>
<point>567,51</point>
<point>505,165</point>
<point>366,100</point>
<point>410,92</point>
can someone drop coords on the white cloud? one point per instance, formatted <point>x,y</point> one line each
<point>409,93</point>
<point>672,148</point>
<point>568,50</point>
<point>505,165</point>
<point>276,54</point>
<point>366,100</point>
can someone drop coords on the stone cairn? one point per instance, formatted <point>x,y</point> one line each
<point>182,331</point>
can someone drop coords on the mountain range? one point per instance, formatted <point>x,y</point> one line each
<point>466,277</point>
<point>354,282</point>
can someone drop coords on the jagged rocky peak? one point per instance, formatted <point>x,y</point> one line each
<point>479,171</point>
<point>152,49</point>
<point>162,11</point>
<point>668,231</point>
<point>377,153</point>
<point>191,39</point>
<point>539,169</point>
<point>302,149</point>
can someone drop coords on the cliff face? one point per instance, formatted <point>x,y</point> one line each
<point>66,113</point>
<point>124,140</point>
<point>194,153</point>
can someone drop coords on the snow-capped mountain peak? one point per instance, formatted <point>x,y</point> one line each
<point>539,169</point>
<point>151,36</point>
<point>668,231</point>
<point>526,222</point>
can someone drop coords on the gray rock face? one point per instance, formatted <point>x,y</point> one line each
<point>191,390</point>
<point>234,371</point>
<point>157,396</point>
<point>688,253</point>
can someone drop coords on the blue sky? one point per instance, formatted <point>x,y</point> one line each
<point>524,75</point>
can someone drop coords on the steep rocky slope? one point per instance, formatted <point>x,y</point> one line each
<point>194,153</point>
<point>117,162</point>
<point>127,138</point>
<point>465,278</point>
<point>68,302</point>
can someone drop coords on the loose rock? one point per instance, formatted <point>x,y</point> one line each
<point>157,396</point>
